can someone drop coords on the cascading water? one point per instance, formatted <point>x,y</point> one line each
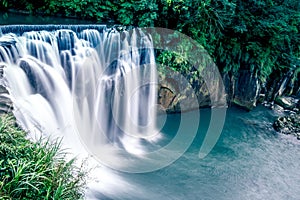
<point>93,87</point>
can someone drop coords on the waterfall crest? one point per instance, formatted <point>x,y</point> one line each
<point>93,86</point>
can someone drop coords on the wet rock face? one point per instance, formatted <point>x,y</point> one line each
<point>246,90</point>
<point>5,102</point>
<point>166,97</point>
<point>177,93</point>
<point>288,103</point>
<point>289,124</point>
<point>243,89</point>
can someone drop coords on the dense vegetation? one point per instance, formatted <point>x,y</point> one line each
<point>257,35</point>
<point>35,170</point>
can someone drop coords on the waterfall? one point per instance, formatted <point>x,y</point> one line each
<point>94,86</point>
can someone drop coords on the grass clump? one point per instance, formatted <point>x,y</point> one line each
<point>35,170</point>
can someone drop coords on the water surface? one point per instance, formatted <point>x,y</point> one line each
<point>250,161</point>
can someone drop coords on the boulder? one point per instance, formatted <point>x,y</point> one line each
<point>289,103</point>
<point>289,124</point>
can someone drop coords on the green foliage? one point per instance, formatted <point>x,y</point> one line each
<point>138,13</point>
<point>262,37</point>
<point>35,170</point>
<point>173,61</point>
<point>4,4</point>
<point>141,13</point>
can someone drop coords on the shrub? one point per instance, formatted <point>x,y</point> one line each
<point>35,170</point>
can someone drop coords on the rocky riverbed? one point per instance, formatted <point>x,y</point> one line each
<point>289,124</point>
